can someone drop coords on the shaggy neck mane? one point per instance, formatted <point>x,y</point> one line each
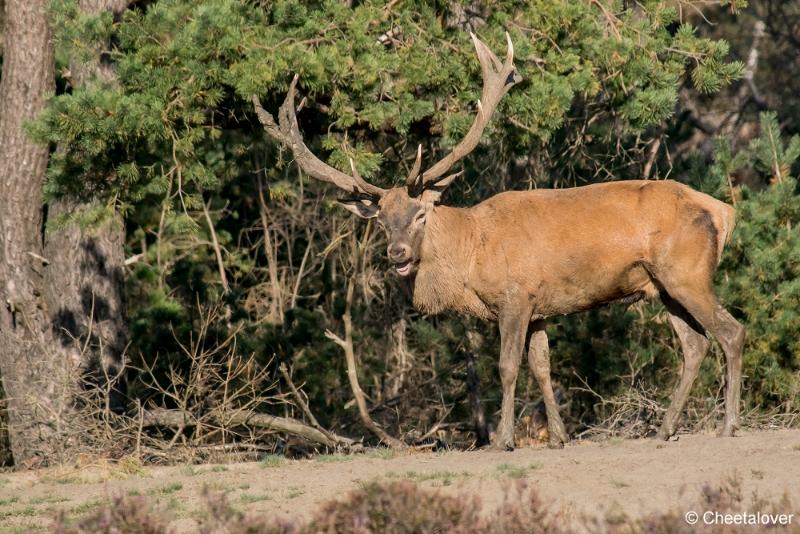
<point>446,260</point>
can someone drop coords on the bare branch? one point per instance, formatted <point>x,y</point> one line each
<point>352,372</point>
<point>181,419</point>
<point>611,19</point>
<point>217,252</point>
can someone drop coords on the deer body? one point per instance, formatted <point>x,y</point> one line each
<point>522,256</point>
<point>566,250</point>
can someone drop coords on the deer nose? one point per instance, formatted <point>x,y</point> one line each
<point>398,252</point>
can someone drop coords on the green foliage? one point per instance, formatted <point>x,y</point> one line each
<point>760,278</point>
<point>767,153</point>
<point>187,69</point>
<point>762,284</point>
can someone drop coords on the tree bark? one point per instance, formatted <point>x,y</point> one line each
<point>84,289</point>
<point>35,377</point>
<point>84,294</point>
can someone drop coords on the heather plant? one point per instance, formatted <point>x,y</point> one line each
<point>404,507</point>
<point>123,515</point>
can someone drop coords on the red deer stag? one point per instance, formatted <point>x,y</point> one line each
<point>522,256</point>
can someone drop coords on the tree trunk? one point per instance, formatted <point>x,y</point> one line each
<point>84,293</point>
<point>35,377</point>
<point>62,318</point>
<point>84,289</point>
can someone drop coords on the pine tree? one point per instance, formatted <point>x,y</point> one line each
<point>761,271</point>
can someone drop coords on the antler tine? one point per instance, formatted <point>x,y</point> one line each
<point>498,78</point>
<point>411,181</point>
<point>485,55</point>
<point>287,132</point>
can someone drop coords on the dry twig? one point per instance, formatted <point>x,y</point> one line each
<point>352,373</point>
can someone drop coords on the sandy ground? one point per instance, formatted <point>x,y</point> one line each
<point>634,476</point>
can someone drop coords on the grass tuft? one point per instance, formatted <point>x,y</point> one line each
<point>516,471</point>
<point>272,460</point>
<point>248,498</point>
<point>166,490</point>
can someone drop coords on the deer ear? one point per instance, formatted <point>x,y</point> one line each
<point>363,207</point>
<point>433,191</point>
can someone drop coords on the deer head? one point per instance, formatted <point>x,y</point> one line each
<point>401,211</point>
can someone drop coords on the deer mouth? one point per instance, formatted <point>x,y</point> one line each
<point>404,268</point>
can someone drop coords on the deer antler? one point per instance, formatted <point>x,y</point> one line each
<point>414,174</point>
<point>287,132</point>
<point>498,78</point>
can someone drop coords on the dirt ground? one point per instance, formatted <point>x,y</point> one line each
<point>632,476</point>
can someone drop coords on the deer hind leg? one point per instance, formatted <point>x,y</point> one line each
<point>730,334</point>
<point>694,345</point>
<point>698,298</point>
<point>539,362</point>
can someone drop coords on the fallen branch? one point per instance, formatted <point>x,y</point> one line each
<point>352,374</point>
<point>181,418</point>
<point>307,411</point>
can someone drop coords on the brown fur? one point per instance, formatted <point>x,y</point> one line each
<point>567,250</point>
<point>522,256</point>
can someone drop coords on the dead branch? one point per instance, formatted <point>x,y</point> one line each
<point>752,64</point>
<point>217,398</point>
<point>276,302</point>
<point>652,153</point>
<point>352,374</point>
<point>174,418</point>
<point>217,252</point>
<point>610,19</point>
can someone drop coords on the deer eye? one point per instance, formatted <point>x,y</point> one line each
<point>419,218</point>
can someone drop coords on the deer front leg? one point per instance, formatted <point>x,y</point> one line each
<point>513,330</point>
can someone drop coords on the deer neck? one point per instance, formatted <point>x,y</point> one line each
<point>446,259</point>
